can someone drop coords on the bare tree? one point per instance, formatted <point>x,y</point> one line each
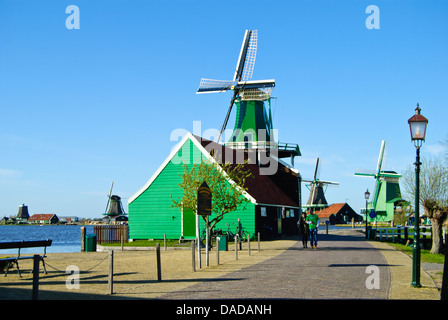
<point>433,195</point>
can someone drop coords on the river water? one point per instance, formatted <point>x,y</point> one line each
<point>65,238</point>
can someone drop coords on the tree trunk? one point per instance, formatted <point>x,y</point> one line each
<point>437,238</point>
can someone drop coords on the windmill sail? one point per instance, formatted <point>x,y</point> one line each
<point>253,124</point>
<point>387,189</point>
<point>317,195</point>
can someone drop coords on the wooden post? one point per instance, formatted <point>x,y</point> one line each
<point>159,271</point>
<point>236,248</point>
<point>217,251</point>
<point>193,257</point>
<point>122,239</point>
<point>248,244</point>
<point>258,241</point>
<point>83,239</point>
<point>207,249</point>
<point>35,293</point>
<point>111,272</point>
<point>164,241</point>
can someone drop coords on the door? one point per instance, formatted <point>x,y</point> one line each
<point>188,224</point>
<point>279,220</point>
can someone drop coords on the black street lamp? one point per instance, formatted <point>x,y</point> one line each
<point>417,125</point>
<point>366,196</point>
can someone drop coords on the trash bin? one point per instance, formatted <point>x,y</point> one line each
<point>223,246</point>
<point>90,242</point>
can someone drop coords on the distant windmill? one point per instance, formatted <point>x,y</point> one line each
<point>387,192</point>
<point>253,124</point>
<point>114,207</point>
<point>317,199</point>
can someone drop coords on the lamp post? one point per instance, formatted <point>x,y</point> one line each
<point>366,196</point>
<point>417,125</point>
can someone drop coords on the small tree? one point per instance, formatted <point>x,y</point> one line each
<point>433,195</point>
<point>226,183</point>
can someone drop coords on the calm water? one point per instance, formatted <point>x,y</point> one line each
<point>65,238</point>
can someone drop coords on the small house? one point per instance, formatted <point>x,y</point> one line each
<point>44,218</point>
<point>338,213</point>
<point>273,197</point>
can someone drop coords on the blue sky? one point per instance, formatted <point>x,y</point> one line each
<point>82,107</point>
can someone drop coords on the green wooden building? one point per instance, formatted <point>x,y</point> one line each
<point>273,195</point>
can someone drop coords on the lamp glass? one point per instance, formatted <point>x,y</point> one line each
<point>418,130</point>
<point>367,195</point>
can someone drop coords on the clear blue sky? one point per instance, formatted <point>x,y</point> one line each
<point>80,108</point>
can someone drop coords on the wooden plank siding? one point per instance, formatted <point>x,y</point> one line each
<point>151,214</point>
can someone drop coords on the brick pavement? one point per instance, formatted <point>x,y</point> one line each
<point>336,270</point>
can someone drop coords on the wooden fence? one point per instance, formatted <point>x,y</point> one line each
<point>403,234</point>
<point>111,233</point>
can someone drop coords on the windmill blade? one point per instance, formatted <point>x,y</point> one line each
<point>376,194</point>
<point>365,173</point>
<point>242,57</point>
<point>307,180</point>
<point>270,83</point>
<point>212,85</point>
<point>235,93</point>
<point>315,169</point>
<point>380,157</point>
<point>108,197</point>
<point>251,54</point>
<point>328,182</point>
<point>389,174</point>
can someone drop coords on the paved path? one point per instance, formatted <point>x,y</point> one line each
<point>336,270</point>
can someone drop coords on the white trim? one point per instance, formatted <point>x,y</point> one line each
<point>188,136</point>
<point>160,169</point>
<point>276,205</point>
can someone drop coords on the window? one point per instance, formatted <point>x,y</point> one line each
<point>263,212</point>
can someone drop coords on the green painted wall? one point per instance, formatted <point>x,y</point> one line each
<point>385,210</point>
<point>251,116</point>
<point>151,214</point>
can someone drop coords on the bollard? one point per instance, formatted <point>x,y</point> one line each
<point>35,293</point>
<point>111,272</point>
<point>159,271</point>
<point>193,257</point>
<point>217,251</point>
<point>248,244</point>
<point>164,241</point>
<point>83,239</point>
<point>258,241</point>
<point>236,248</point>
<point>122,240</point>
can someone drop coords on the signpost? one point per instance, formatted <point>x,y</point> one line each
<point>204,208</point>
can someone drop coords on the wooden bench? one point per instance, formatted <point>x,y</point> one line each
<point>20,245</point>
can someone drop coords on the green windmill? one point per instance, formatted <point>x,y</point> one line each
<point>387,193</point>
<point>253,124</point>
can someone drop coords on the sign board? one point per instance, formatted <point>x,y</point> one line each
<point>372,214</point>
<point>204,200</point>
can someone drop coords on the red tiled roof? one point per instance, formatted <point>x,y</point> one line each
<point>333,209</point>
<point>41,216</point>
<point>280,188</point>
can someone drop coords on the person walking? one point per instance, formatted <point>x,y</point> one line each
<point>313,223</point>
<point>303,229</point>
